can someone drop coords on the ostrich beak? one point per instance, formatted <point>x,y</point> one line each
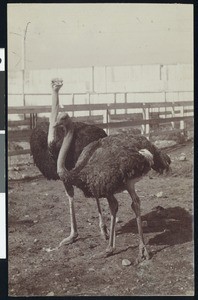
<point>58,124</point>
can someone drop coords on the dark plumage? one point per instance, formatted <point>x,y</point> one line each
<point>46,159</point>
<point>104,166</point>
<point>111,165</point>
<point>114,161</point>
<point>45,144</point>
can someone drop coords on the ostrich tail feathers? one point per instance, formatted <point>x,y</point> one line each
<point>161,161</point>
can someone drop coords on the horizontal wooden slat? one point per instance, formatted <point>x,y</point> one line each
<point>18,152</point>
<point>88,107</point>
<point>87,118</point>
<point>18,123</point>
<point>42,109</point>
<point>23,134</point>
<point>96,118</point>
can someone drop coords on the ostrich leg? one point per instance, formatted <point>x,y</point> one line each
<point>113,205</point>
<point>74,233</point>
<point>143,253</point>
<point>102,225</point>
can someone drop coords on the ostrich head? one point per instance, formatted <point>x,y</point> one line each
<point>56,84</point>
<point>63,120</point>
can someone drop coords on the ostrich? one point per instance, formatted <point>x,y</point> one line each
<point>45,143</point>
<point>109,166</point>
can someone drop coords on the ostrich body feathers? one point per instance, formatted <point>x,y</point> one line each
<point>45,158</point>
<point>104,166</point>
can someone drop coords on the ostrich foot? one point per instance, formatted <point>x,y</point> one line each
<point>109,251</point>
<point>104,233</point>
<point>69,240</point>
<point>143,254</point>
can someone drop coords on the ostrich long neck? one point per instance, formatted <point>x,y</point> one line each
<point>64,148</point>
<point>53,117</point>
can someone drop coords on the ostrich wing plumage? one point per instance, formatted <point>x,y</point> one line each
<point>46,159</point>
<point>104,166</point>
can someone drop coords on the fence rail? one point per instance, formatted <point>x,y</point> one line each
<point>172,112</point>
<point>92,107</point>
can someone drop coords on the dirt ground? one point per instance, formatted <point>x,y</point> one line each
<point>39,219</point>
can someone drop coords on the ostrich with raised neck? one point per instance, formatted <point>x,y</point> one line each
<point>45,144</point>
<point>109,166</point>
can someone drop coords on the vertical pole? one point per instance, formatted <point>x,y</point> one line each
<point>144,117</point>
<point>173,115</point>
<point>147,118</point>
<point>182,124</point>
<point>93,80</point>
<point>36,118</point>
<point>72,104</point>
<point>89,104</point>
<point>145,129</point>
<point>115,103</point>
<point>24,63</point>
<point>31,120</point>
<point>106,117</point>
<point>23,71</point>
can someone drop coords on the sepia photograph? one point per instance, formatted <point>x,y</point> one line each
<point>100,149</point>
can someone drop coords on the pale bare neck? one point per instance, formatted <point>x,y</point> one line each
<point>65,148</point>
<point>53,117</point>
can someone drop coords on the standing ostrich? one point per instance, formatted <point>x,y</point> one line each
<point>109,166</point>
<point>45,144</point>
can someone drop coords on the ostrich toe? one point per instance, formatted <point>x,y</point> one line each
<point>143,254</point>
<point>69,240</point>
<point>109,250</point>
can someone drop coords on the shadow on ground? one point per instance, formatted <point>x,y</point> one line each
<point>172,225</point>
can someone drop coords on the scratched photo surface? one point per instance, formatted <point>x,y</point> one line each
<point>100,149</point>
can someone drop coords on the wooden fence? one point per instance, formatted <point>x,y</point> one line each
<point>166,112</point>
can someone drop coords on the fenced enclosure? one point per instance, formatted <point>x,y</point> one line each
<point>153,114</point>
<point>146,97</point>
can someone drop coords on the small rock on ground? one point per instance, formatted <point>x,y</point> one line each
<point>159,195</point>
<point>50,294</point>
<point>126,262</point>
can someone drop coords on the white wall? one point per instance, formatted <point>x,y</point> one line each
<point>144,83</point>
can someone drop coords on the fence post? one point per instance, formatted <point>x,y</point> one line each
<point>89,103</point>
<point>36,119</point>
<point>115,103</point>
<point>145,129</point>
<point>147,118</point>
<point>31,121</point>
<point>173,114</point>
<point>182,123</point>
<point>106,119</point>
<point>143,116</point>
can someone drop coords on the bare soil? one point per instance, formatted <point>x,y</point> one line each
<point>39,219</point>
